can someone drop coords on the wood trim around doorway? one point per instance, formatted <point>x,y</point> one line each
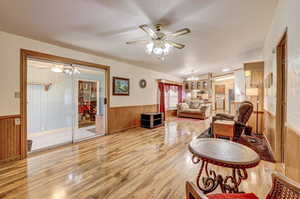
<point>281,96</point>
<point>24,55</point>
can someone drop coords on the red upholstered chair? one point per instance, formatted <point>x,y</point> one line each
<point>283,188</point>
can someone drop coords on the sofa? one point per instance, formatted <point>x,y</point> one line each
<point>194,109</point>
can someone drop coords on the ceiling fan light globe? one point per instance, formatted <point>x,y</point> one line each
<point>149,48</point>
<point>167,48</point>
<point>158,51</point>
<point>166,52</point>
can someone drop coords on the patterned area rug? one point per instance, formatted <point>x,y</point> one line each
<point>260,145</point>
<point>186,119</point>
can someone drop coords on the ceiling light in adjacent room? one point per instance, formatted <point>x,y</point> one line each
<point>76,70</point>
<point>72,71</point>
<point>226,70</point>
<point>218,79</point>
<point>193,78</point>
<point>68,71</point>
<point>57,68</point>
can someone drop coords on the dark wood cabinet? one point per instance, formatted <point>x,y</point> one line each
<point>152,120</point>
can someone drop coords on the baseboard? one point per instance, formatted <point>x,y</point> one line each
<point>269,147</point>
<point>123,129</point>
<point>13,158</point>
<point>127,117</point>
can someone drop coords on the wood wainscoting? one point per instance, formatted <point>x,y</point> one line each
<point>270,132</point>
<point>126,117</point>
<point>252,121</point>
<point>291,153</point>
<point>171,113</point>
<point>10,138</point>
<point>291,146</point>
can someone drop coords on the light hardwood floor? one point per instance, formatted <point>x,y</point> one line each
<point>138,163</point>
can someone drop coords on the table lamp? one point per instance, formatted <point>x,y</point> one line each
<point>253,92</point>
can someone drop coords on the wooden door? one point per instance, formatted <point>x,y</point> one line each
<point>220,89</point>
<point>220,97</point>
<point>281,106</point>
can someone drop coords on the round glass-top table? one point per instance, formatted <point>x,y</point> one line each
<point>222,153</point>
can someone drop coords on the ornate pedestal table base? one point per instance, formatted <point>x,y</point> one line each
<point>226,154</point>
<point>208,180</point>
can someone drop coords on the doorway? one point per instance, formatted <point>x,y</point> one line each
<point>281,104</point>
<point>223,93</point>
<point>63,101</point>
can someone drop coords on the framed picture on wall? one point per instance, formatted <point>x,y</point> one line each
<point>120,86</point>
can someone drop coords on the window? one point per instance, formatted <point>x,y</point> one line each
<point>172,98</point>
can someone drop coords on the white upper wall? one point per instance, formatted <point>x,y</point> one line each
<point>10,46</point>
<point>287,16</point>
<point>239,85</point>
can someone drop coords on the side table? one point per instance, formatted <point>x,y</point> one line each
<point>223,128</point>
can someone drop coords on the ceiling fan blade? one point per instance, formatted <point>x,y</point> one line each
<point>179,32</point>
<point>138,42</point>
<point>149,31</point>
<point>176,45</point>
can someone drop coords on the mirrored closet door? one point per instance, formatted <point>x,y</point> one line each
<point>65,103</point>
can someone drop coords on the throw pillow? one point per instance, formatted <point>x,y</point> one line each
<point>195,104</point>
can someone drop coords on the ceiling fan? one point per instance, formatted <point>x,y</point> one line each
<point>160,43</point>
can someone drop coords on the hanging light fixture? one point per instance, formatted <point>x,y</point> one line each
<point>76,71</point>
<point>160,42</point>
<point>68,71</point>
<point>72,71</point>
<point>193,77</point>
<point>60,68</point>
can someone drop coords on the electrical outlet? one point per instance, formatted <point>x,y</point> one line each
<point>17,121</point>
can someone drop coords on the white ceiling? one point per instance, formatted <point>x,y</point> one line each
<point>225,33</point>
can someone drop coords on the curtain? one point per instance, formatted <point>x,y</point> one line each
<point>162,108</point>
<point>180,94</point>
